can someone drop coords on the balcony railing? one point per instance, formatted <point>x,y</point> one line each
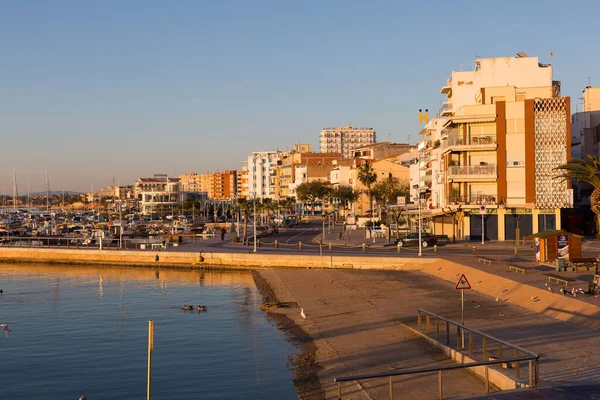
<point>445,109</point>
<point>485,199</point>
<point>472,141</point>
<point>473,170</point>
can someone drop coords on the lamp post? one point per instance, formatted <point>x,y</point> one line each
<point>418,198</point>
<point>253,194</point>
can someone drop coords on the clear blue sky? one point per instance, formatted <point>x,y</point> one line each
<point>91,90</point>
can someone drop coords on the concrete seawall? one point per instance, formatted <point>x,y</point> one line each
<point>527,296</point>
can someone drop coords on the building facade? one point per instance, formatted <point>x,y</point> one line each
<point>345,139</point>
<point>262,166</point>
<point>489,167</point>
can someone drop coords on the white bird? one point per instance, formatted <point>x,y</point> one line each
<point>302,314</point>
<point>497,299</point>
<point>84,397</point>
<point>550,289</point>
<point>5,329</point>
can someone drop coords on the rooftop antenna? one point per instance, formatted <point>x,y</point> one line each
<point>551,54</point>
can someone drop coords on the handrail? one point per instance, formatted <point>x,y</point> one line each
<point>430,369</point>
<point>505,343</point>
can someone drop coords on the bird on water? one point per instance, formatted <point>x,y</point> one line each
<point>5,329</point>
<point>186,307</point>
<point>202,308</point>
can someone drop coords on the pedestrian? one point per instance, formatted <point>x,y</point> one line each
<point>222,234</point>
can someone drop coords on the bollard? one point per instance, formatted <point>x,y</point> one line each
<point>299,245</point>
<point>329,246</point>
<point>276,244</point>
<point>516,251</point>
<point>364,247</point>
<point>474,250</point>
<point>435,249</point>
<point>398,247</point>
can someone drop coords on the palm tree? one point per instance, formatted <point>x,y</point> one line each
<point>588,171</point>
<point>367,176</point>
<point>244,206</point>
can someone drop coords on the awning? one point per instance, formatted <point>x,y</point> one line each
<point>462,119</point>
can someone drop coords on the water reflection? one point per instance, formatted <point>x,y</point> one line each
<point>94,321</point>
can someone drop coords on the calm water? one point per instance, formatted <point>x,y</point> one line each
<point>80,330</point>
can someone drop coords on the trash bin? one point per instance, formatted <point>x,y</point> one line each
<point>560,264</point>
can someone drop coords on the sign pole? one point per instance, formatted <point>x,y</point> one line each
<point>462,317</point>
<point>462,285</point>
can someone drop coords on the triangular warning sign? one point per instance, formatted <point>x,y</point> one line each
<point>463,283</point>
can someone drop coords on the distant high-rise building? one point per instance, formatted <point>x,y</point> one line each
<point>343,140</point>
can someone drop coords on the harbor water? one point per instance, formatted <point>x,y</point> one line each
<point>84,331</point>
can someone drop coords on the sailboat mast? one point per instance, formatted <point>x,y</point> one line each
<point>14,190</point>
<point>47,192</point>
<point>28,197</point>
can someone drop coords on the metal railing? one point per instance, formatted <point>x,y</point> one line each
<point>484,199</point>
<point>472,141</point>
<point>486,342</point>
<point>477,170</point>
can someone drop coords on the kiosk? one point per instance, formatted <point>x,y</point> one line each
<point>556,245</point>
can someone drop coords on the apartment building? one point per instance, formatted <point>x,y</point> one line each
<point>162,192</point>
<point>494,155</point>
<point>220,185</point>
<point>302,165</point>
<point>262,166</point>
<point>242,181</point>
<point>585,140</point>
<point>345,139</point>
<point>380,151</point>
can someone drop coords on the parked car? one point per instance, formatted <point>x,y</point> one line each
<point>412,239</point>
<point>262,231</point>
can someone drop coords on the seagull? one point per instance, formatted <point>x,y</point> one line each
<point>497,299</point>
<point>550,289</point>
<point>84,397</point>
<point>5,329</point>
<point>302,314</point>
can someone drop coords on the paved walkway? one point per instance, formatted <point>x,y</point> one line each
<point>353,319</point>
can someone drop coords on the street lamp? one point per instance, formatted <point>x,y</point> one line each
<point>418,198</point>
<point>334,201</point>
<point>253,194</point>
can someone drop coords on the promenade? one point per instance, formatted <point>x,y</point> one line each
<point>360,305</point>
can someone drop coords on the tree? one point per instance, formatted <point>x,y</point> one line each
<point>288,204</point>
<point>347,195</point>
<point>309,192</point>
<point>367,176</point>
<point>387,192</point>
<point>588,171</point>
<point>244,207</point>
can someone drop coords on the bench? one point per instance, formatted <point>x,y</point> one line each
<point>517,268</point>
<point>559,279</point>
<point>485,260</point>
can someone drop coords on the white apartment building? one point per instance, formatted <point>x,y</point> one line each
<point>161,192</point>
<point>345,139</point>
<point>262,166</point>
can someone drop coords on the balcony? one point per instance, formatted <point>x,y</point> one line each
<point>481,143</point>
<point>473,199</point>
<point>472,173</point>
<point>445,109</point>
<point>447,88</point>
